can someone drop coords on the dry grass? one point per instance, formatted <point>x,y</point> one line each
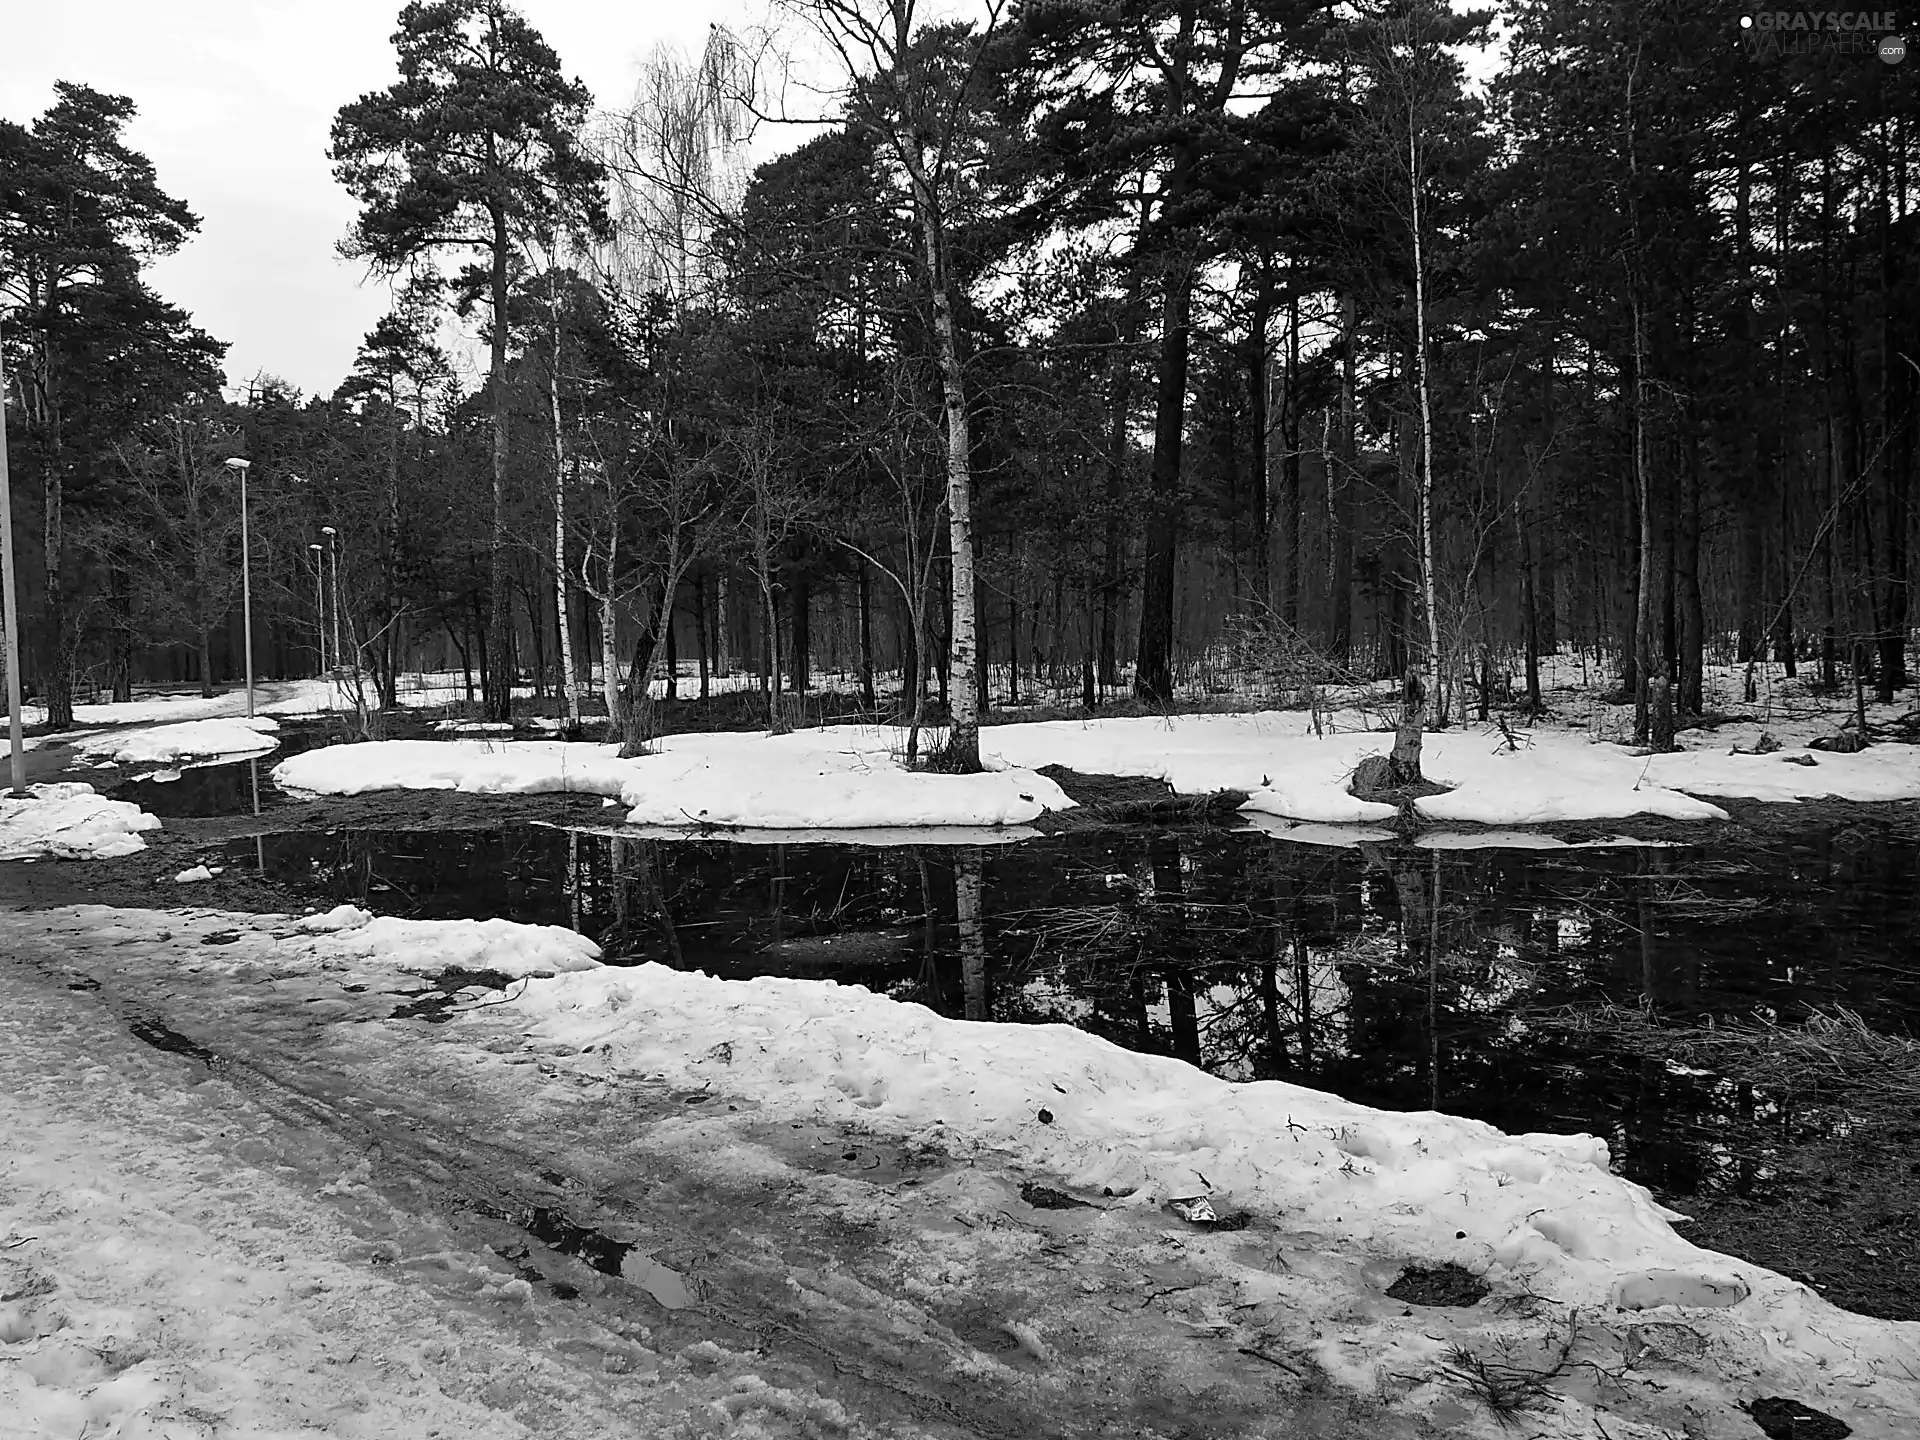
<point>1830,1050</point>
<point>1511,1388</point>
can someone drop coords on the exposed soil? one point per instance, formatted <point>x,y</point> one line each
<point>1842,1214</point>
<point>1447,1285</point>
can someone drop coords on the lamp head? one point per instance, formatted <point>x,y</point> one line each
<point>328,530</point>
<point>236,463</point>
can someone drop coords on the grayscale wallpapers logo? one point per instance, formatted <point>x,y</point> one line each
<point>1770,33</point>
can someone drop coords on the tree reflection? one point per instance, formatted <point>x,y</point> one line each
<point>968,887</point>
<point>1401,977</point>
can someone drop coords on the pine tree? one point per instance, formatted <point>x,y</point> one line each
<point>91,349</point>
<point>475,149</point>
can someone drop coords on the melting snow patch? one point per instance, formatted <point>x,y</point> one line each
<point>189,739</point>
<point>840,777</point>
<point>433,947</point>
<point>71,821</point>
<point>1539,1213</point>
<point>341,917</point>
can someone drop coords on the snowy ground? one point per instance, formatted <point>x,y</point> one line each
<point>840,777</point>
<point>181,1259</point>
<point>850,776</point>
<point>71,821</point>
<point>143,1214</point>
<point>183,740</point>
<point>274,697</point>
<point>1552,775</point>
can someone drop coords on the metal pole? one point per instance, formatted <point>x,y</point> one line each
<point>12,605</point>
<point>246,590</point>
<point>320,605</point>
<point>333,544</point>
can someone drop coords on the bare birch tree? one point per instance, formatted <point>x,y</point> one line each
<point>674,172</point>
<point>918,106</point>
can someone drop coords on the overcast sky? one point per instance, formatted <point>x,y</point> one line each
<point>235,100</point>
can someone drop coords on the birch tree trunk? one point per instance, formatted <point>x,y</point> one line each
<point>968,890</point>
<point>610,662</point>
<point>610,617</point>
<point>963,743</point>
<point>1426,418</point>
<point>569,678</point>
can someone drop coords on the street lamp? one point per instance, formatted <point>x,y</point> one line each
<point>333,543</point>
<point>320,601</point>
<point>246,574</point>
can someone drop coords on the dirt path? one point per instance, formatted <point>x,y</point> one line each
<point>400,1200</point>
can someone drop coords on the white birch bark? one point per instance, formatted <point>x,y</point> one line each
<point>963,744</point>
<point>569,677</point>
<point>1426,410</point>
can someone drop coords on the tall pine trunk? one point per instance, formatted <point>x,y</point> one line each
<point>59,672</point>
<point>499,652</point>
<point>867,697</point>
<point>1153,665</point>
<point>1290,413</point>
<point>1340,498</point>
<point>1259,362</point>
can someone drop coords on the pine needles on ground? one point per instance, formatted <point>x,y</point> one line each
<point>1829,1050</point>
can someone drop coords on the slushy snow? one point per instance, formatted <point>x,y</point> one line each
<point>1356,1192</point>
<point>848,777</point>
<point>433,947</point>
<point>1539,1214</point>
<point>837,778</point>
<point>184,740</point>
<point>71,821</point>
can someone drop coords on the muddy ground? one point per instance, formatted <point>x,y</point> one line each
<point>1843,1213</point>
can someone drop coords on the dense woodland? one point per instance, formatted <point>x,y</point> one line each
<point>1215,338</point>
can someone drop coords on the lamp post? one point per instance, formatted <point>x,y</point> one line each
<point>320,601</point>
<point>12,603</point>
<point>246,574</point>
<point>333,544</point>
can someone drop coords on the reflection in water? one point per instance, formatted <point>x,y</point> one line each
<point>226,787</point>
<point>967,886</point>
<point>1404,978</point>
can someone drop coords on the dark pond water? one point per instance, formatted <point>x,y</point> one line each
<point>226,788</point>
<point>1403,978</point>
